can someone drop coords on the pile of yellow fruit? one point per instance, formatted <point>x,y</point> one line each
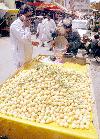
<point>48,93</point>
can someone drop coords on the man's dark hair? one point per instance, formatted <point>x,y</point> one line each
<point>96,36</point>
<point>48,15</point>
<point>67,26</point>
<point>25,10</point>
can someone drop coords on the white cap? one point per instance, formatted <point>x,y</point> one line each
<point>66,22</point>
<point>40,17</point>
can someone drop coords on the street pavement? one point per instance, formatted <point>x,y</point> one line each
<point>7,67</point>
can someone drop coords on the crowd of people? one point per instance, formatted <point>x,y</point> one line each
<point>58,35</point>
<point>63,37</point>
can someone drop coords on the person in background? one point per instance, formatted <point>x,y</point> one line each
<point>21,38</point>
<point>40,32</point>
<point>94,43</point>
<point>19,3</point>
<point>85,43</point>
<point>97,49</point>
<point>60,21</point>
<point>36,22</point>
<point>49,27</point>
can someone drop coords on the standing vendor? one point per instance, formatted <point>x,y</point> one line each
<point>21,37</point>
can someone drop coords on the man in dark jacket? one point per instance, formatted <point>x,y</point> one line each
<point>73,38</point>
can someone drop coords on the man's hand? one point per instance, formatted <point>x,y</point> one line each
<point>26,21</point>
<point>37,35</point>
<point>53,43</point>
<point>35,43</point>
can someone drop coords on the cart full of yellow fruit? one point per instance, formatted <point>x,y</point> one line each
<point>47,101</point>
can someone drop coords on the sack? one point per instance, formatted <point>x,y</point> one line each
<point>61,30</point>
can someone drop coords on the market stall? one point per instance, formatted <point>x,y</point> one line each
<point>37,102</point>
<point>49,7</point>
<point>35,4</point>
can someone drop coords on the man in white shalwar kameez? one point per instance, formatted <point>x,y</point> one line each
<point>21,38</point>
<point>49,27</point>
<point>41,32</point>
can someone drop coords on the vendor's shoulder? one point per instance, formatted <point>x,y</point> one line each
<point>44,20</point>
<point>15,22</point>
<point>51,19</point>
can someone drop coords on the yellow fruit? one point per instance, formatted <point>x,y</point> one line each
<point>48,93</point>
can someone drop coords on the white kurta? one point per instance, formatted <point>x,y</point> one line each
<point>42,36</point>
<point>49,27</point>
<point>21,41</point>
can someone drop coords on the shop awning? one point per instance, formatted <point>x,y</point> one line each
<point>53,9</point>
<point>36,4</point>
<point>49,6</point>
<point>46,5</point>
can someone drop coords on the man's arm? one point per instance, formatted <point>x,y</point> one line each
<point>53,25</point>
<point>23,34</point>
<point>77,36</point>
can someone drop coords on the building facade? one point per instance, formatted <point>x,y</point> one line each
<point>75,5</point>
<point>82,5</point>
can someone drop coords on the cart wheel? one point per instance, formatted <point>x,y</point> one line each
<point>3,137</point>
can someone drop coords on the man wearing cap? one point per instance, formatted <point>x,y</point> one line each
<point>72,36</point>
<point>21,37</point>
